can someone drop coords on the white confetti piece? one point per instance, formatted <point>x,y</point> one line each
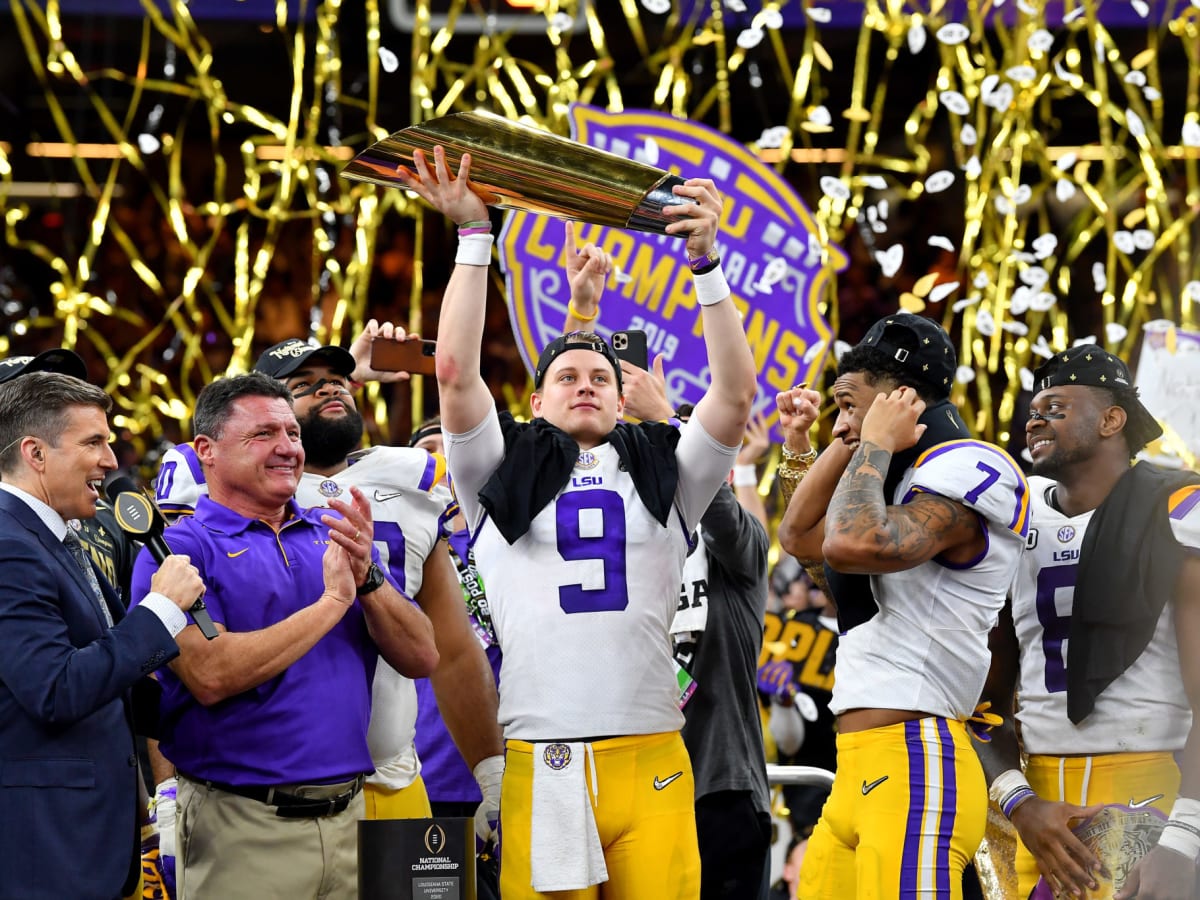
<point>960,305</point>
<point>747,40</point>
<point>1141,7</point>
<point>820,14</point>
<point>1152,94</point>
<point>771,18</point>
<point>1025,454</point>
<point>984,323</point>
<point>1192,290</point>
<point>875,182</point>
<point>1042,301</point>
<point>939,181</point>
<point>819,115</point>
<point>840,348</point>
<point>658,7</point>
<point>1074,14</point>
<point>1136,77</point>
<point>620,276</point>
<point>1026,378</point>
<point>1143,239</point>
<point>833,187</point>
<point>916,39</point>
<point>953,33</point>
<point>1001,98</point>
<point>649,152</point>
<point>1099,277</point>
<point>1115,332</point>
<point>562,22</point>
<point>1134,123</point>
<point>890,259</point>
<point>1191,133</point>
<point>1017,328</point>
<point>955,102</point>
<point>1086,339</point>
<point>1034,276</point>
<point>967,136</point>
<point>388,60</point>
<point>1045,245</point>
<point>964,374</point>
<point>1028,8</point>
<point>1066,162</point>
<point>1061,72</point>
<point>1064,190</point>
<point>148,143</point>
<point>1019,301</point>
<point>1022,73</point>
<point>989,84</point>
<point>1002,204</point>
<point>980,281</point>
<point>774,137</point>
<point>943,242</point>
<point>1041,348</point>
<point>941,291</point>
<point>973,168</point>
<point>1023,194</point>
<point>812,352</point>
<point>1027,259</point>
<point>736,6</point>
<point>1123,241</point>
<point>1040,41</point>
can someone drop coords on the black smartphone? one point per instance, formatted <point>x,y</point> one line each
<point>403,356</point>
<point>630,346</point>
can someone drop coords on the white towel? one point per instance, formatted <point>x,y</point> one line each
<point>565,851</point>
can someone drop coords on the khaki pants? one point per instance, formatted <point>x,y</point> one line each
<point>231,846</point>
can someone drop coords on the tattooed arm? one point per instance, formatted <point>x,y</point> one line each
<point>863,534</point>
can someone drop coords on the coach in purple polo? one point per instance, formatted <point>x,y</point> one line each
<point>267,723</point>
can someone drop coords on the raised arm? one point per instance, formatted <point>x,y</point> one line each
<point>587,270</point>
<point>465,398</point>
<point>807,489</point>
<point>863,533</point>
<point>725,407</point>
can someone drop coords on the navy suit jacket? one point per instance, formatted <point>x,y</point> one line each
<point>68,768</point>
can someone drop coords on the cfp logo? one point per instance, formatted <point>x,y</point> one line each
<point>435,840</point>
<point>133,513</point>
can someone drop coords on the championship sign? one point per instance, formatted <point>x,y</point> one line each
<point>776,267</point>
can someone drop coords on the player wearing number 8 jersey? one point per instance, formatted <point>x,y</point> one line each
<point>582,531</point>
<point>1101,646</point>
<point>921,529</point>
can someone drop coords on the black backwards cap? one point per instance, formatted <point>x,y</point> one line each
<point>427,430</point>
<point>287,356</point>
<point>65,362</point>
<point>919,345</point>
<point>1093,366</point>
<point>576,340</point>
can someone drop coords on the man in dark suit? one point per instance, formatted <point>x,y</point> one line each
<point>68,655</point>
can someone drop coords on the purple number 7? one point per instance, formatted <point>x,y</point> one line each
<point>973,495</point>
<point>1055,628</point>
<point>606,545</point>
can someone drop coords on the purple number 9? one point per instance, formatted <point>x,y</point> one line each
<point>1055,628</point>
<point>605,543</point>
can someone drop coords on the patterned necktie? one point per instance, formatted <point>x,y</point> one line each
<point>71,540</point>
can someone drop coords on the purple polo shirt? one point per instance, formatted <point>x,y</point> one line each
<point>306,725</point>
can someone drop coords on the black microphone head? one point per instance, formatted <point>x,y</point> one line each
<point>120,485</point>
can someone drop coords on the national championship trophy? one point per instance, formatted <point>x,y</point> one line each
<point>518,167</point>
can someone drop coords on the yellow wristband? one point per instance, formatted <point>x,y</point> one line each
<point>574,312</point>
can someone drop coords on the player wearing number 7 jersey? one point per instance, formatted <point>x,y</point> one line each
<point>1102,646</point>
<point>936,523</point>
<point>582,529</point>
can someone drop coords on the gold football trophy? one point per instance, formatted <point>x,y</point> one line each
<point>518,167</point>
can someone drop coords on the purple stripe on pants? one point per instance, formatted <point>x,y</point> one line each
<point>910,863</point>
<point>949,809</point>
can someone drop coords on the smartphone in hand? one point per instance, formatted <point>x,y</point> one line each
<point>403,356</point>
<point>630,346</point>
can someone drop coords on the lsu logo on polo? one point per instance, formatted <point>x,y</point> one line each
<point>771,254</point>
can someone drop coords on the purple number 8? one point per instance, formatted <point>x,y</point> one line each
<point>608,546</point>
<point>1055,628</point>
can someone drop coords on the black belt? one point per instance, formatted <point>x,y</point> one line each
<point>289,806</point>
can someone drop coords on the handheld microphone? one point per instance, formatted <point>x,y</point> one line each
<point>143,521</point>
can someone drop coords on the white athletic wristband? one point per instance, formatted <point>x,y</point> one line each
<point>474,250</point>
<point>1182,831</point>
<point>745,476</point>
<point>1009,790</point>
<point>711,287</point>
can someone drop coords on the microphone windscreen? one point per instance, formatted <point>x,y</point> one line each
<point>120,485</point>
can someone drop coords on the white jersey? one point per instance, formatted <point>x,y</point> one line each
<point>926,650</point>
<point>583,602</point>
<point>411,505</point>
<point>1142,710</point>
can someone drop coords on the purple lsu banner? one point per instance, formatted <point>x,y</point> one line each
<point>776,267</point>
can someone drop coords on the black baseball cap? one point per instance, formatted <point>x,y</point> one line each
<point>1092,366</point>
<point>576,340</point>
<point>919,345</point>
<point>286,357</point>
<point>65,362</point>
